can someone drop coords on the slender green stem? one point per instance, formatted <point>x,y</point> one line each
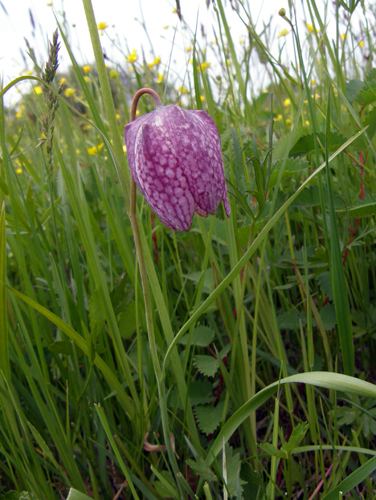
<point>146,293</point>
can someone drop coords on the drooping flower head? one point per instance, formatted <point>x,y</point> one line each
<point>175,158</point>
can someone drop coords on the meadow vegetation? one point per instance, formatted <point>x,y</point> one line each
<point>259,379</point>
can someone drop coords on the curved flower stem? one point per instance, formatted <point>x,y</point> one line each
<point>146,293</point>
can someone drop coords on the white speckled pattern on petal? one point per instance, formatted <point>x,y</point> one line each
<point>176,161</point>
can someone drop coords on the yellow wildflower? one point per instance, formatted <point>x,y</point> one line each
<point>125,149</point>
<point>284,32</point>
<point>160,78</point>
<point>117,116</point>
<point>114,74</point>
<point>49,4</point>
<point>19,114</point>
<point>307,123</point>
<point>182,90</point>
<point>286,102</point>
<point>19,171</point>
<point>188,49</point>
<point>87,68</point>
<point>137,112</point>
<point>69,92</point>
<point>38,89</point>
<point>101,27</point>
<point>157,60</point>
<point>202,98</point>
<point>288,122</point>
<point>241,42</point>
<point>92,151</point>
<point>311,29</point>
<point>132,56</point>
<point>279,117</point>
<point>174,11</point>
<point>343,37</point>
<point>29,72</point>
<point>165,27</point>
<point>62,81</point>
<point>87,79</point>
<point>361,43</point>
<point>313,82</point>
<point>204,66</point>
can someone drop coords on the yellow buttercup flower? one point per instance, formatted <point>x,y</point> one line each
<point>19,171</point>
<point>95,149</point>
<point>125,149</point>
<point>87,68</point>
<point>132,56</point>
<point>188,49</point>
<point>286,102</point>
<point>343,36</point>
<point>279,117</point>
<point>160,78</point>
<point>361,43</point>
<point>284,32</point>
<point>101,27</point>
<point>69,92</point>
<point>38,89</point>
<point>182,90</point>
<point>204,66</point>
<point>62,81</point>
<point>311,29</point>
<point>29,72</point>
<point>202,98</point>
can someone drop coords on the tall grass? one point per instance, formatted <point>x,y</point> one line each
<point>252,375</point>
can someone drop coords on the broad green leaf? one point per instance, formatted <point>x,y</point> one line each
<point>209,417</point>
<point>199,467</point>
<point>352,89</point>
<point>202,337</point>
<point>306,144</point>
<point>207,365</point>
<point>200,392</point>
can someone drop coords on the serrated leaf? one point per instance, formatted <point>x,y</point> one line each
<point>209,417</point>
<point>200,392</point>
<point>328,316</point>
<point>200,468</point>
<point>363,208</point>
<point>292,166</point>
<point>367,94</point>
<point>208,279</point>
<point>269,449</point>
<point>281,148</point>
<point>306,144</point>
<point>207,365</point>
<point>310,197</point>
<point>325,284</point>
<point>291,320</point>
<point>233,463</point>
<point>353,88</point>
<point>202,337</point>
<point>296,437</point>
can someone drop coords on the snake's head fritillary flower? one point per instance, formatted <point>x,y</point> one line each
<point>175,158</point>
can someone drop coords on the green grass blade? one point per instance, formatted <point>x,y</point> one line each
<point>337,273</point>
<point>4,349</point>
<point>328,380</point>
